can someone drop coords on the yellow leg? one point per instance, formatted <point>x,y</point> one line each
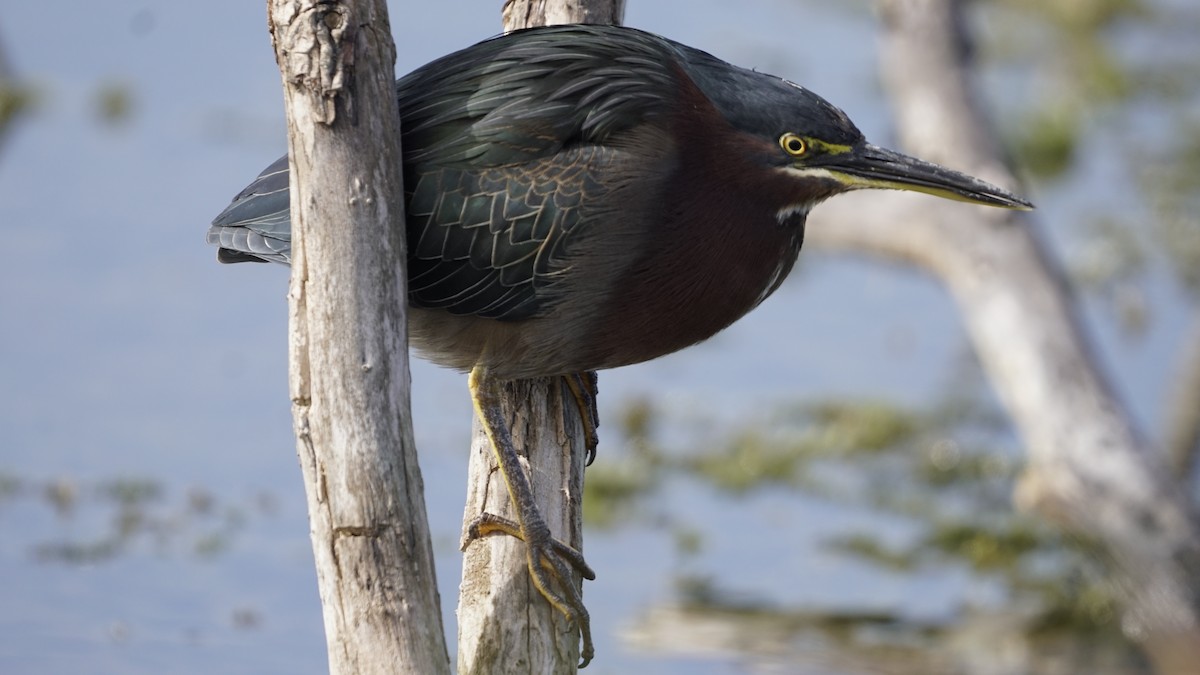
<point>550,560</point>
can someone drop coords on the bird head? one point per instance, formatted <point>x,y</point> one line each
<point>818,147</point>
<point>840,167</point>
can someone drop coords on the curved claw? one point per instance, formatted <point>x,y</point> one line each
<point>584,388</point>
<point>547,557</point>
<point>571,606</point>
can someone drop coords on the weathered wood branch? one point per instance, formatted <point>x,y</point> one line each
<point>1089,469</point>
<point>518,14</point>
<point>504,624</point>
<point>349,378</point>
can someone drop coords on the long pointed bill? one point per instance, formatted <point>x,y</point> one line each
<point>871,166</point>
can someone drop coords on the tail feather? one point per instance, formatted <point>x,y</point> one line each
<point>257,225</point>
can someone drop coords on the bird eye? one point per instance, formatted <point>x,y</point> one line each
<point>793,144</point>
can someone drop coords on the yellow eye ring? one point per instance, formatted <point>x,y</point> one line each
<point>793,145</point>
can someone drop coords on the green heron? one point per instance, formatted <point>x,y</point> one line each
<point>586,197</point>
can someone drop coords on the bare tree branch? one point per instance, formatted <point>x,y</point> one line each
<point>348,339</point>
<point>518,14</point>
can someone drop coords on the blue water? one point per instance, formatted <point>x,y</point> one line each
<point>126,351</point>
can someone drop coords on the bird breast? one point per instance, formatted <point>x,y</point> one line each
<point>703,268</point>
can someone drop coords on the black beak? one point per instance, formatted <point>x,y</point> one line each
<point>870,166</point>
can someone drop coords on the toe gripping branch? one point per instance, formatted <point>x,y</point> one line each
<point>550,560</point>
<point>584,388</point>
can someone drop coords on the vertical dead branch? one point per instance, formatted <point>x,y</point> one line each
<point>504,624</point>
<point>518,14</point>
<point>348,342</point>
<point>1089,470</point>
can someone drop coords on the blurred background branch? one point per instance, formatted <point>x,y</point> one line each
<point>1089,470</point>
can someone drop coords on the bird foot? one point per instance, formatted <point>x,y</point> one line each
<point>550,563</point>
<point>584,388</point>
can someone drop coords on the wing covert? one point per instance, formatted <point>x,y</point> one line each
<point>508,150</point>
<point>488,243</point>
